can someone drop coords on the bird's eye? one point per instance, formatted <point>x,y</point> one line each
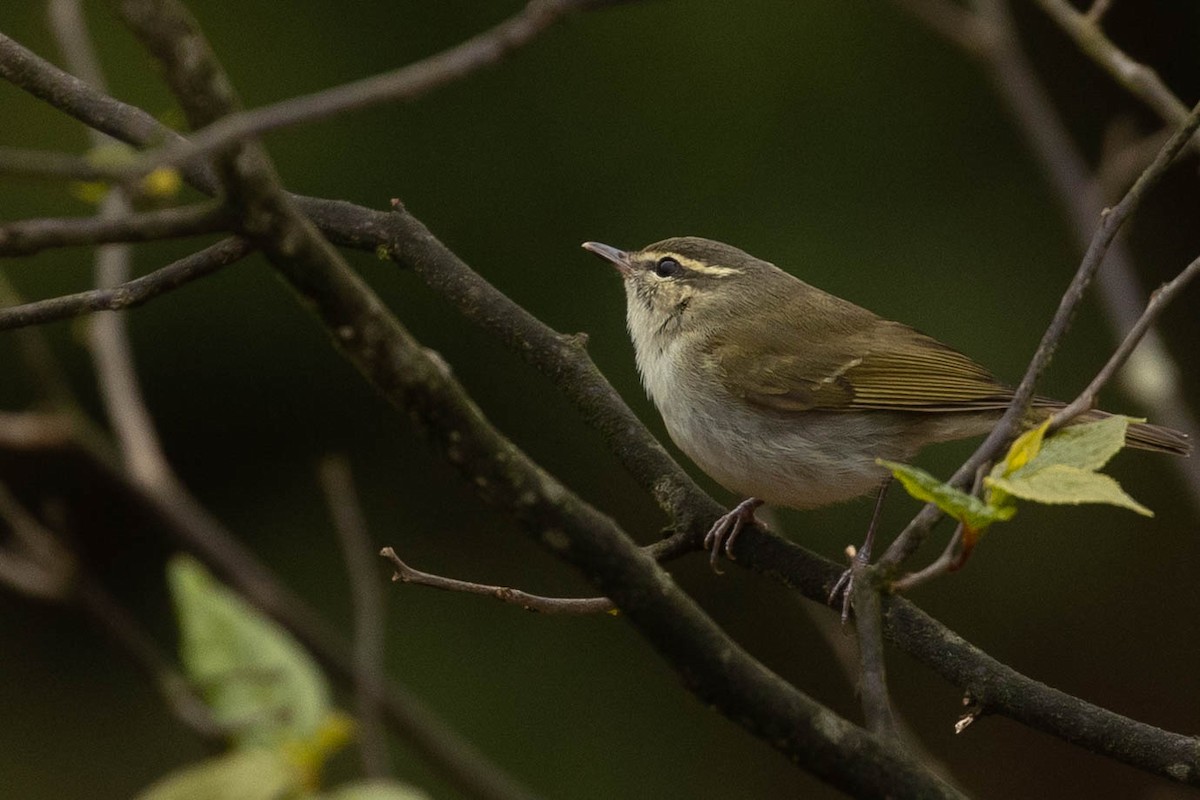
<point>667,267</point>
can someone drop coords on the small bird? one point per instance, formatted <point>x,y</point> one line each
<point>787,395</point>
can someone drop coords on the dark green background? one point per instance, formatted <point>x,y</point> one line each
<point>837,138</point>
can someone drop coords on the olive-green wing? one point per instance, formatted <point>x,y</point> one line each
<point>864,362</point>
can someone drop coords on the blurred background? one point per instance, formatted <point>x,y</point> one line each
<point>841,140</point>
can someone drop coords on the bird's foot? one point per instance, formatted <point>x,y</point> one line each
<point>844,587</point>
<point>725,530</point>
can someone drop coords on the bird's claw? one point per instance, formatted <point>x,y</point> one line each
<point>724,532</point>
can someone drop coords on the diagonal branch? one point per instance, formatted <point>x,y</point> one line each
<point>714,666</point>
<point>1110,224</point>
<point>404,84</point>
<point>131,293</point>
<point>1138,79</point>
<point>1158,301</point>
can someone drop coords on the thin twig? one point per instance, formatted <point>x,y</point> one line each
<point>369,624</point>
<point>131,293</point>
<point>1097,11</point>
<point>24,68</point>
<point>1158,301</point>
<point>953,556</point>
<point>1110,223</point>
<point>173,510</point>
<point>1080,193</point>
<point>561,358</point>
<point>403,84</point>
<point>530,602</point>
<point>1138,79</point>
<point>33,235</point>
<point>719,670</point>
<point>107,337</point>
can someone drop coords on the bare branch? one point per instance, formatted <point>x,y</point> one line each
<point>1158,301</point>
<point>1097,11</point>
<point>33,235</point>
<point>1138,79</point>
<point>107,338</point>
<point>46,164</point>
<point>173,510</point>
<point>369,631</point>
<point>404,84</point>
<point>131,293</point>
<point>1110,223</point>
<point>1080,193</point>
<point>1001,689</point>
<point>529,602</point>
<point>717,669</point>
<point>876,703</point>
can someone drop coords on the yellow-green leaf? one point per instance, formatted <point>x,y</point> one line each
<point>255,774</point>
<point>1087,446</point>
<point>257,679</point>
<point>966,508</point>
<point>375,790</point>
<point>1066,484</point>
<point>1023,450</point>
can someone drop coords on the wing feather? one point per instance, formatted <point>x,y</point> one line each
<point>861,363</point>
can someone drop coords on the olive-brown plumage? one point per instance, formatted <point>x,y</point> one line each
<point>787,394</point>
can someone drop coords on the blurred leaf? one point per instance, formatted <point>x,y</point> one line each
<point>161,184</point>
<point>255,774</point>
<point>375,790</point>
<point>90,192</point>
<point>310,754</point>
<point>257,679</point>
<point>111,154</point>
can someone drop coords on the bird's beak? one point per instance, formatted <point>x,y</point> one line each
<point>618,258</point>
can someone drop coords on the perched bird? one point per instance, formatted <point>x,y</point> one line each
<point>786,394</point>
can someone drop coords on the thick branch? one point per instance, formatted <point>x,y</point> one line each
<point>713,666</point>
<point>1001,689</point>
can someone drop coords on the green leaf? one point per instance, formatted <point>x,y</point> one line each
<point>1088,446</point>
<point>967,509</point>
<point>375,790</point>
<point>255,774</point>
<point>1065,484</point>
<point>258,681</point>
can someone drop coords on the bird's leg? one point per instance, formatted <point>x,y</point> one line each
<point>845,583</point>
<point>725,530</point>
